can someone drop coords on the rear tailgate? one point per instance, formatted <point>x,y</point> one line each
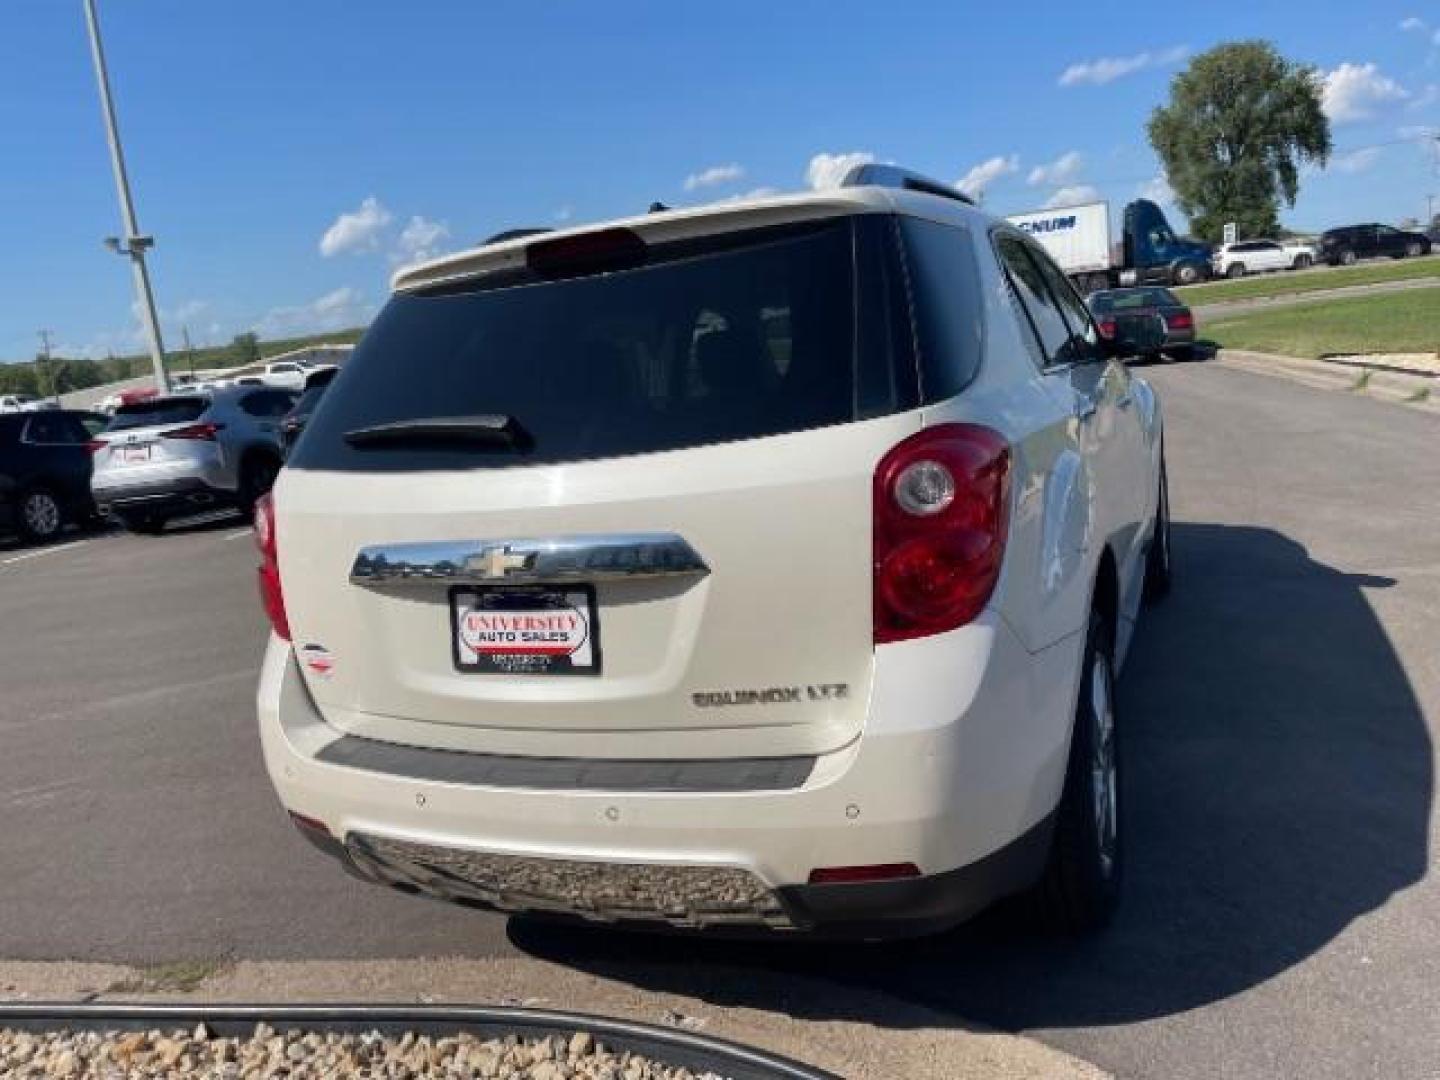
<point>670,558</point>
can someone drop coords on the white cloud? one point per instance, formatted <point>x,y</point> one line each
<point>1357,161</point>
<point>1157,189</point>
<point>1413,23</point>
<point>1416,131</point>
<point>981,176</point>
<point>1355,91</point>
<point>420,240</point>
<point>827,170</point>
<point>1109,68</point>
<point>565,213</point>
<point>1073,195</point>
<point>1060,171</point>
<point>338,309</point>
<point>714,176</point>
<point>356,230</point>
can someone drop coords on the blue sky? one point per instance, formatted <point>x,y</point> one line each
<point>286,155</point>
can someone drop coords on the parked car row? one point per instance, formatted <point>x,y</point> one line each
<point>156,457</point>
<point>1337,247</point>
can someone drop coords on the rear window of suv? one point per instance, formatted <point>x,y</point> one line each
<point>736,336</point>
<point>158,412</point>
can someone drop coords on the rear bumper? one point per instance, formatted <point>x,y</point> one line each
<point>177,495</point>
<point>957,773</point>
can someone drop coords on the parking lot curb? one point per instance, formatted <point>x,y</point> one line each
<point>851,1032</point>
<point>1401,388</point>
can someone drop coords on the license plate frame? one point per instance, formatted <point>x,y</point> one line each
<point>538,616</point>
<point>135,455</point>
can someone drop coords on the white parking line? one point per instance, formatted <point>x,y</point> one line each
<point>42,551</point>
<point>237,535</point>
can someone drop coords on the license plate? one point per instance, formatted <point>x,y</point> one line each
<point>525,631</point>
<point>129,454</point>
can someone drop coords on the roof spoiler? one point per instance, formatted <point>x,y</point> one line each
<point>892,176</point>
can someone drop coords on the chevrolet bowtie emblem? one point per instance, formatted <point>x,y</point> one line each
<point>496,562</point>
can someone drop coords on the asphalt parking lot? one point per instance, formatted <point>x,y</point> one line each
<point>1281,918</point>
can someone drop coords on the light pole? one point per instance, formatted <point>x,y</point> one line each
<point>134,244</point>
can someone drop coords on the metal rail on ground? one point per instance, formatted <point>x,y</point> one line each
<point>698,1053</point>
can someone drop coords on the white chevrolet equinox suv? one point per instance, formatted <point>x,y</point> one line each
<point>764,565</point>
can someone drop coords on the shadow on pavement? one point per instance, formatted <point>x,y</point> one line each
<point>1279,785</point>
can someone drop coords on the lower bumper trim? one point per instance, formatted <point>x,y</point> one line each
<point>678,895</point>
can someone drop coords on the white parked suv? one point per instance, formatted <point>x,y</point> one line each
<point>1259,256</point>
<point>761,565</point>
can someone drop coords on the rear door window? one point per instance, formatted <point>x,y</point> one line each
<point>944,284</point>
<point>267,403</point>
<point>158,412</point>
<point>731,337</point>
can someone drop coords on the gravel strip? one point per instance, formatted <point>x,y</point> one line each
<point>302,1055</point>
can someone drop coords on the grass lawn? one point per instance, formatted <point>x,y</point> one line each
<point>1393,322</point>
<point>1310,280</point>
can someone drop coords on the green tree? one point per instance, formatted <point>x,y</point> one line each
<point>18,379</point>
<point>1240,122</point>
<point>247,348</point>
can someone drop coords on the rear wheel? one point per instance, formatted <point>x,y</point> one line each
<point>1157,560</point>
<point>1347,257</point>
<point>1236,270</point>
<point>1302,262</point>
<point>40,515</point>
<point>1412,249</point>
<point>1080,888</point>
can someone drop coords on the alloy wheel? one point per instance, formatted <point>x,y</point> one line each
<point>41,514</point>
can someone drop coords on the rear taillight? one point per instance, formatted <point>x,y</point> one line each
<point>206,431</point>
<point>941,507</point>
<point>863,875</point>
<point>95,446</point>
<point>271,594</point>
<point>1106,328</point>
<point>1181,320</point>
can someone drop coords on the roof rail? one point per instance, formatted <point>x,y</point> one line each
<point>893,176</point>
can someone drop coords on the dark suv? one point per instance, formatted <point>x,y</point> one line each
<point>45,471</point>
<point>1345,245</point>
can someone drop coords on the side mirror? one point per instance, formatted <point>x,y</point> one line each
<point>1134,335</point>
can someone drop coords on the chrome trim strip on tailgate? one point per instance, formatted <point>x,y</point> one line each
<point>567,774</point>
<point>620,556</point>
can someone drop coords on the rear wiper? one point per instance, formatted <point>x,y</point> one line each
<point>497,429</point>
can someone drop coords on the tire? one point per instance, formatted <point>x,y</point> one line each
<point>1236,270</point>
<point>1302,262</point>
<point>144,524</point>
<point>1080,888</point>
<point>1186,274</point>
<point>1158,571</point>
<point>39,515</point>
<point>1347,257</point>
<point>257,476</point>
<point>1412,250</point>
